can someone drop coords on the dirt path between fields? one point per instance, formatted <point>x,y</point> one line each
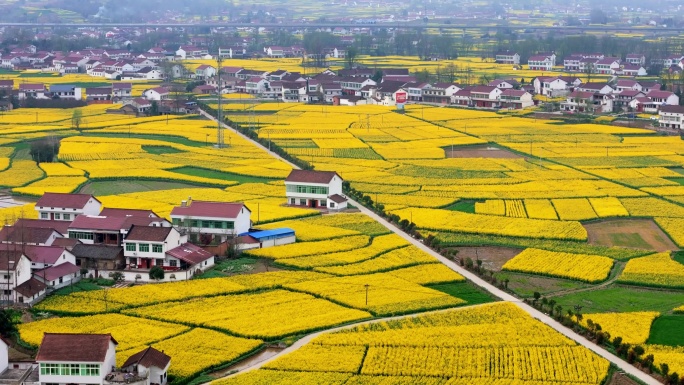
<point>471,277</point>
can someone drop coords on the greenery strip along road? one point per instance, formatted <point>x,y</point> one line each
<point>623,365</point>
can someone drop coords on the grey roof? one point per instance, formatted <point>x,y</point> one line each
<point>96,251</point>
<point>62,88</point>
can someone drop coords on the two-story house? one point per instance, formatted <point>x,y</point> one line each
<point>516,99</point>
<point>95,258</point>
<point>204,71</point>
<point>607,66</point>
<point>211,222</point>
<point>541,62</point>
<point>65,207</point>
<point>100,230</point>
<point>671,117</point>
<point>32,91</point>
<point>122,90</point>
<point>315,189</point>
<point>507,57</point>
<point>145,247</point>
<point>554,86</point>
<point>636,59</point>
<point>157,93</point>
<point>66,91</point>
<point>485,96</point>
<point>15,269</point>
<point>76,358</point>
<point>663,97</point>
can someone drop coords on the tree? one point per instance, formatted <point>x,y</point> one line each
<point>377,76</point>
<point>156,273</point>
<point>597,16</point>
<point>117,276</point>
<point>8,326</point>
<point>352,54</point>
<point>76,118</point>
<point>44,150</point>
<point>154,110</point>
<point>664,369</point>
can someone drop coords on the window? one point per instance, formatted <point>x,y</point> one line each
<point>49,369</point>
<point>80,235</point>
<point>229,225</point>
<point>57,216</point>
<point>293,201</point>
<point>156,248</point>
<point>43,215</point>
<point>144,247</point>
<point>176,221</point>
<point>194,223</point>
<point>173,263</point>
<point>159,262</point>
<point>130,247</point>
<point>66,217</point>
<point>90,369</point>
<point>61,279</point>
<point>302,202</point>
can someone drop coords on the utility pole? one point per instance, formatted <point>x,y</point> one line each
<point>366,285</point>
<point>219,132</point>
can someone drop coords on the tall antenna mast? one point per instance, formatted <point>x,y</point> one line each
<point>219,129</point>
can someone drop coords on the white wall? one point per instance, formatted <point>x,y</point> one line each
<point>4,356</point>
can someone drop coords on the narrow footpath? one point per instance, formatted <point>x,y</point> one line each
<point>504,296</point>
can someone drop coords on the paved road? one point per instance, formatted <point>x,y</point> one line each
<point>477,281</point>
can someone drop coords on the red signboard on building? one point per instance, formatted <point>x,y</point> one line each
<point>400,97</point>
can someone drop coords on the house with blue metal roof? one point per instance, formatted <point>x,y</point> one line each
<point>256,239</point>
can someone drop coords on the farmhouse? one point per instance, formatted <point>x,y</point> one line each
<point>211,222</point>
<point>266,238</point>
<point>76,358</point>
<point>100,230</point>
<point>65,207</point>
<point>16,269</point>
<point>671,117</point>
<point>149,363</point>
<point>321,189</point>
<point>98,257</point>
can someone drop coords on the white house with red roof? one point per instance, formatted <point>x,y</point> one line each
<point>157,93</point>
<point>671,117</point>
<point>516,99</point>
<point>65,207</point>
<point>58,276</point>
<point>76,358</point>
<point>554,86</point>
<point>541,62</point>
<point>189,51</point>
<point>146,247</point>
<point>211,222</point>
<point>205,71</point>
<point>317,189</point>
<point>101,230</point>
<point>663,97</point>
<point>34,91</point>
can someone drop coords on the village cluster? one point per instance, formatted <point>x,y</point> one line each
<point>74,236</point>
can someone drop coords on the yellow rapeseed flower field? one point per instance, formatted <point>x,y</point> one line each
<point>654,270</point>
<point>587,268</point>
<point>634,327</point>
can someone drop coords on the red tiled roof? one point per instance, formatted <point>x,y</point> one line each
<point>53,272</point>
<point>673,109</point>
<point>30,287</point>
<point>109,212</point>
<point>337,198</point>
<point>88,222</point>
<point>512,92</point>
<point>190,253</point>
<point>308,176</point>
<point>148,358</point>
<point>147,233</point>
<point>63,347</point>
<point>483,89</point>
<point>209,209</point>
<point>68,201</point>
<point>25,235</point>
<point>43,254</point>
<point>658,94</point>
<point>66,242</point>
<point>61,226</point>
